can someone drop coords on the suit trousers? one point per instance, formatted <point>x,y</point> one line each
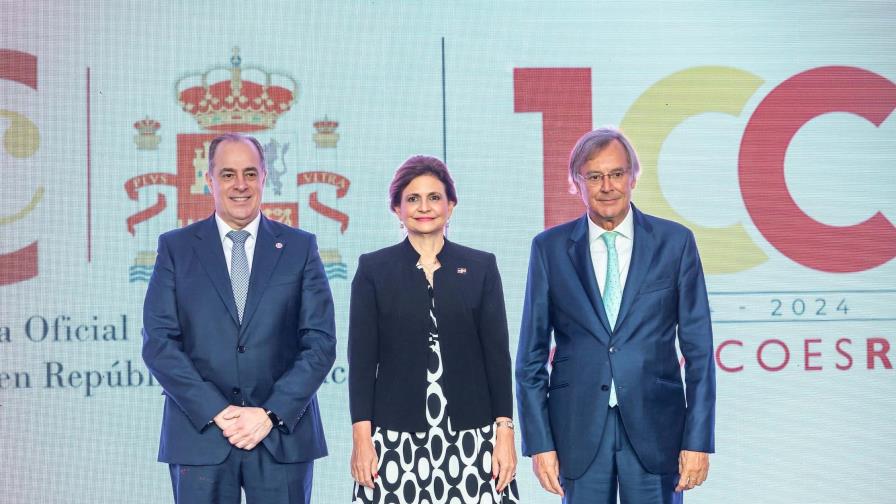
<point>616,468</point>
<point>264,480</point>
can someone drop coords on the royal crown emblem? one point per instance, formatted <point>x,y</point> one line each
<point>146,137</point>
<point>326,136</point>
<point>234,103</point>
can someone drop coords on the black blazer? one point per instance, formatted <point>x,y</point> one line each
<point>388,347</point>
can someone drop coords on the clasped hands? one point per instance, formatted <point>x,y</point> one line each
<point>244,427</point>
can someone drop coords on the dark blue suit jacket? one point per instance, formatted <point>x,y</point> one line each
<point>205,360</point>
<point>664,297</point>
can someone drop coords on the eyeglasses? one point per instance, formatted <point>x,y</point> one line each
<point>597,178</point>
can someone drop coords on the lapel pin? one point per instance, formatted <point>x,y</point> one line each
<point>278,245</point>
<point>461,271</point>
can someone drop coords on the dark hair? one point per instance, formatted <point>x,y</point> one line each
<point>592,143</point>
<point>413,168</point>
<point>234,137</point>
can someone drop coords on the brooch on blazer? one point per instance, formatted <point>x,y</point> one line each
<point>278,245</point>
<point>461,271</point>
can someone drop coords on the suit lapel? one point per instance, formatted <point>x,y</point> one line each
<point>264,261</point>
<point>642,251</point>
<point>580,255</point>
<point>211,255</point>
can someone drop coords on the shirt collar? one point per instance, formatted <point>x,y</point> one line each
<point>626,228</point>
<point>224,228</point>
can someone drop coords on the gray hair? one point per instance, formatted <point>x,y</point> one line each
<point>595,141</point>
<point>234,137</point>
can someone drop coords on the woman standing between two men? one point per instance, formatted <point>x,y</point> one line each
<point>429,376</point>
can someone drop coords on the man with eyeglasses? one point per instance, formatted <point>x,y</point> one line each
<point>615,288</point>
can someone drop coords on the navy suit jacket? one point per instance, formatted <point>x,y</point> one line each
<point>664,297</point>
<point>205,359</point>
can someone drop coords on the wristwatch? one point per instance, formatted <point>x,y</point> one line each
<point>274,418</point>
<point>505,423</point>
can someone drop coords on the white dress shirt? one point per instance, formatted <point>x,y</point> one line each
<point>227,243</point>
<point>624,242</point>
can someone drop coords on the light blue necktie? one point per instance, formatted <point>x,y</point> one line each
<point>239,270</point>
<point>612,294</point>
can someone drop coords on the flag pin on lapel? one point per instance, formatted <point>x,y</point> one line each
<point>278,245</point>
<point>461,271</point>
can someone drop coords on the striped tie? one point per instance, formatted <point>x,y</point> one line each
<point>239,270</point>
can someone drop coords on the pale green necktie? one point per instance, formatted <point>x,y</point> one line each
<point>612,294</point>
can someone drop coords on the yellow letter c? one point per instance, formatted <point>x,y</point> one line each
<point>650,120</point>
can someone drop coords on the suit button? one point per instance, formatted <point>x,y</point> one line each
<point>241,349</point>
<point>236,391</point>
<point>613,349</point>
<point>605,387</point>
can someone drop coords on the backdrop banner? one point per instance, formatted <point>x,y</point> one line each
<point>765,127</point>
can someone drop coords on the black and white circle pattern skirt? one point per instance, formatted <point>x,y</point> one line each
<point>439,466</point>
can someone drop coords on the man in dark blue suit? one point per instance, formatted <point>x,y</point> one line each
<point>615,288</point>
<point>239,331</point>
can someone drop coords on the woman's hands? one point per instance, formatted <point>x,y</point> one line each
<point>504,456</point>
<point>364,460</point>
